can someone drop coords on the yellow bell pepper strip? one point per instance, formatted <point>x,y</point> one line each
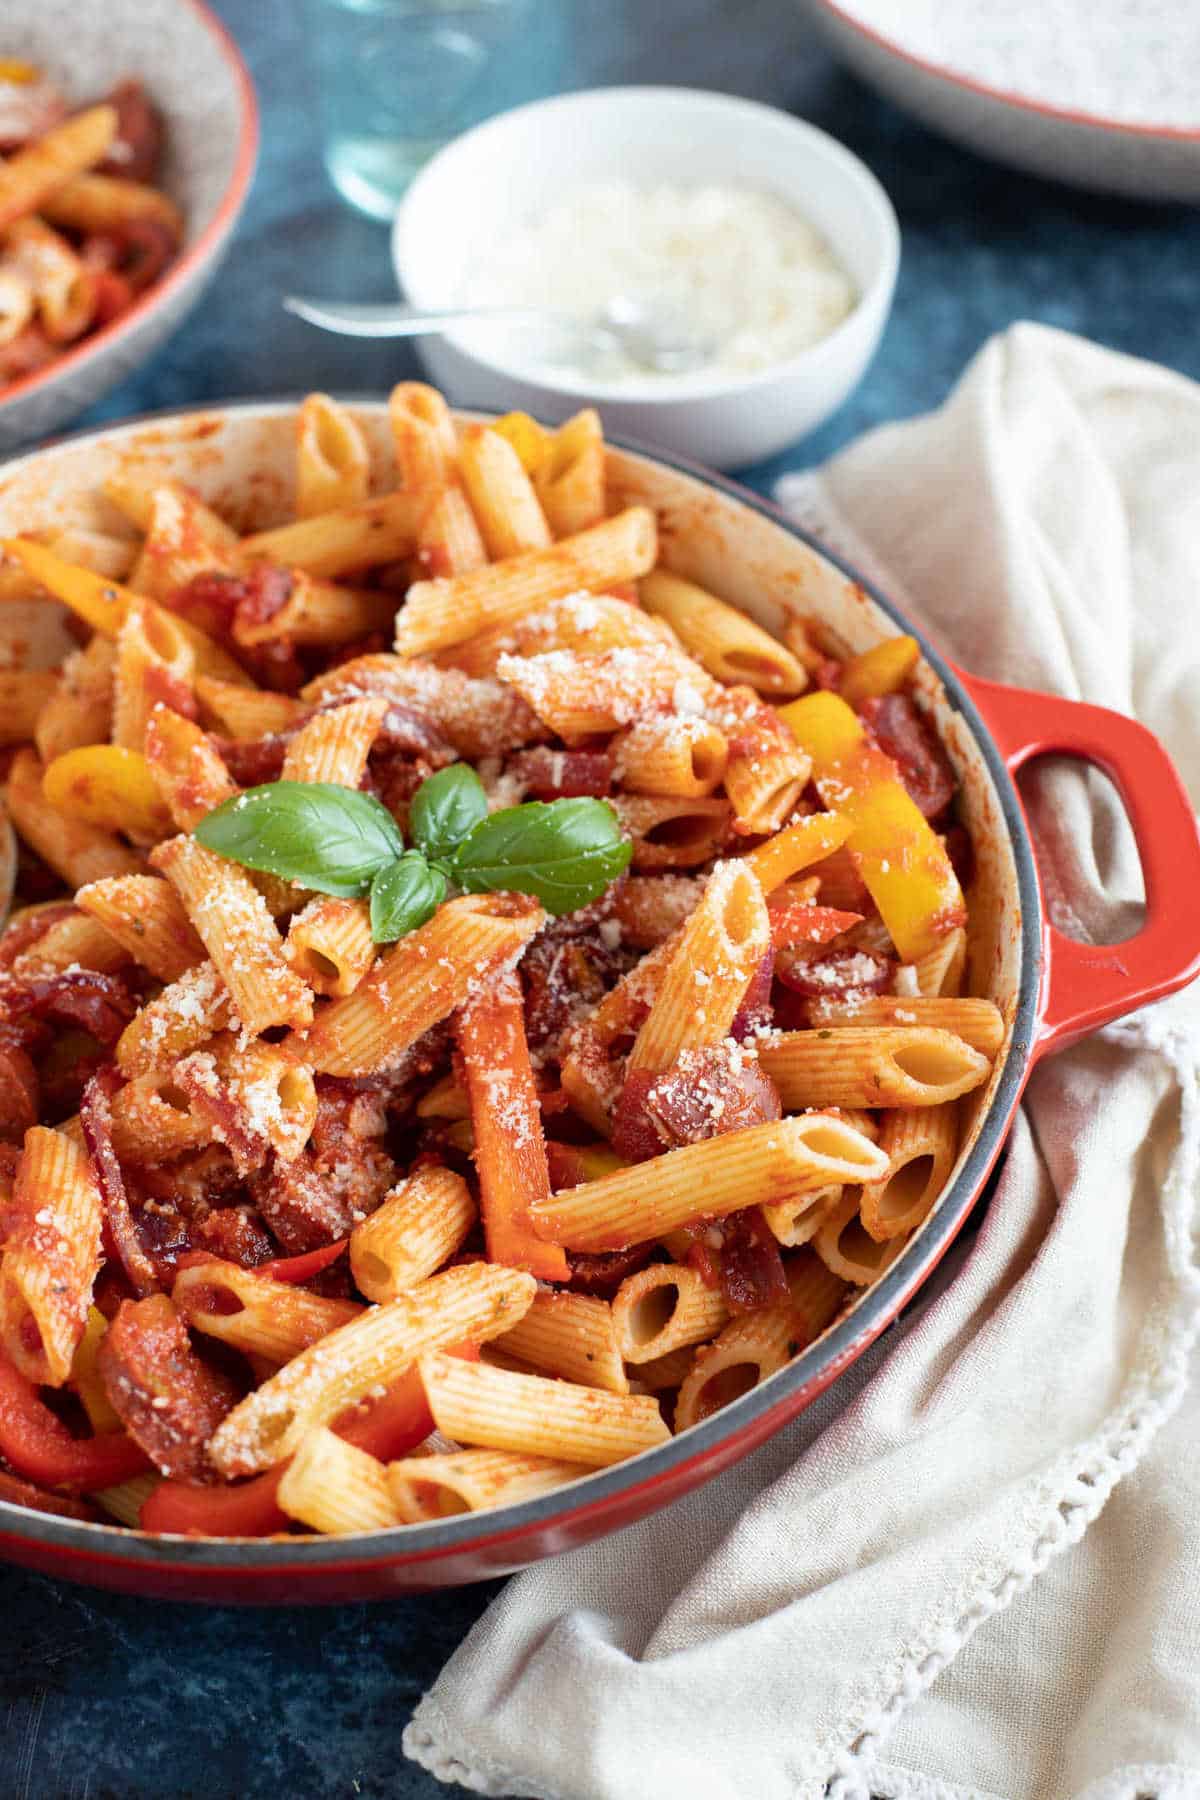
<point>85,1376</point>
<point>105,605</point>
<point>108,786</point>
<point>530,440</point>
<point>902,860</point>
<point>880,670</point>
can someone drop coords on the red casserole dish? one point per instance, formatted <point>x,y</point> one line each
<point>1050,989</point>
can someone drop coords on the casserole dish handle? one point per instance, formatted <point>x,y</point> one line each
<point>1085,986</point>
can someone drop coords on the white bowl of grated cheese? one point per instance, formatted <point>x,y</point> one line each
<point>753,228</point>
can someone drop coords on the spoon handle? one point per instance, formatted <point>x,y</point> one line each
<point>399,321</point>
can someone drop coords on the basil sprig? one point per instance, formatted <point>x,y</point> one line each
<point>404,895</point>
<point>323,836</point>
<point>343,842</point>
<point>564,851</point>
<point>445,808</point>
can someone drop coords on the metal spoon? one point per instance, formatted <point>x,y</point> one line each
<point>658,339</point>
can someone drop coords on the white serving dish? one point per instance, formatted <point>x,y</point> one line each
<point>194,73</point>
<point>1109,156</point>
<point>516,166</point>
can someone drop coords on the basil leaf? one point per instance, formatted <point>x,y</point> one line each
<point>445,808</point>
<point>565,852</point>
<point>330,838</point>
<point>403,896</point>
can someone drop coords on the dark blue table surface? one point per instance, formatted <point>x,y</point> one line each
<point>105,1696</point>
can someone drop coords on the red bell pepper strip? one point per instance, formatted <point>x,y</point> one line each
<point>302,1268</point>
<point>395,1424</point>
<point>247,1510</point>
<point>39,1446</point>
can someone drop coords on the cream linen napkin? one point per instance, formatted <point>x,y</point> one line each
<point>896,1595</point>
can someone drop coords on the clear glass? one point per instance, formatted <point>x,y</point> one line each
<point>397,79</point>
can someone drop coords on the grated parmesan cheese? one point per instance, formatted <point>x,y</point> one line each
<point>734,265</point>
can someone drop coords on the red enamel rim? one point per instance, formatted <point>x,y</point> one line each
<point>1183,134</point>
<point>195,255</point>
<point>678,1464</point>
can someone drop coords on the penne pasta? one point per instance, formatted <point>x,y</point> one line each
<point>420,1224</point>
<point>247,712</point>
<point>921,1145</point>
<point>155,1121</point>
<point>319,613</point>
<point>30,176</point>
<point>183,537</point>
<point>23,695</point>
<point>449,540</point>
<point>496,1409</point>
<point>437,614</point>
<point>141,494</point>
<point>940,970</point>
<point>63,288</point>
<point>145,916</point>
<point>903,1065</point>
<point>79,710</point>
<point>436,1487</point>
<point>478,718</point>
<point>703,984</point>
<point>583,622</point>
<point>51,1256</point>
<point>329,944</point>
<point>254,1313</point>
<point>420,982</point>
<point>574,1336</point>
<point>759,1344</point>
<point>74,943</point>
<point>847,1249</point>
<point>679,756</point>
<point>578,696</point>
<point>977,1022</point>
<point>231,919</point>
<point>673,834</point>
<point>333,467</point>
<point>349,538</point>
<point>662,1308</point>
<point>471,1304</point>
<point>796,1222</point>
<point>731,646</point>
<point>502,497</point>
<point>334,745</point>
<point>192,1009</point>
<point>766,773</point>
<point>187,767</point>
<point>91,203</point>
<point>647,1200</point>
<point>424,437</point>
<point>334,1487</point>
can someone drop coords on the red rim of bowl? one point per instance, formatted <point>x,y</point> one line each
<point>194,255</point>
<point>1005,96</point>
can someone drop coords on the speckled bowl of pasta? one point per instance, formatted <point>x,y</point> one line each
<point>129,132</point>
<point>517,966</point>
